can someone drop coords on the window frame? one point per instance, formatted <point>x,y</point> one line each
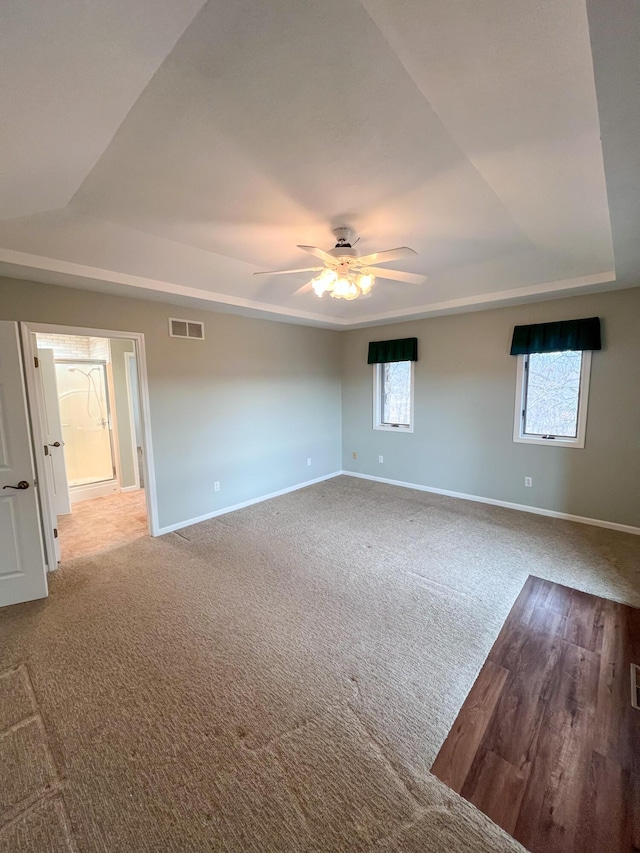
<point>521,437</point>
<point>377,401</point>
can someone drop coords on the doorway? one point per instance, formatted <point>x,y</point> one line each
<point>89,404</point>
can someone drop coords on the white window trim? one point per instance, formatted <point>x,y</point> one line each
<point>377,407</point>
<point>583,402</point>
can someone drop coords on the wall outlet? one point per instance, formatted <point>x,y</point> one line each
<point>528,481</point>
<point>354,454</point>
<point>380,458</point>
<point>309,461</point>
<point>216,486</point>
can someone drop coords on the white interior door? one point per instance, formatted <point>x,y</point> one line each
<point>22,562</point>
<point>52,428</point>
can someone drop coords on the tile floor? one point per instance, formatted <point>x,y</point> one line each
<point>102,523</point>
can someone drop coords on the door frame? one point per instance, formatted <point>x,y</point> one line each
<point>128,358</point>
<point>113,420</point>
<point>27,330</point>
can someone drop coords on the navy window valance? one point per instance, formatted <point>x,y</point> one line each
<point>403,349</point>
<point>557,337</point>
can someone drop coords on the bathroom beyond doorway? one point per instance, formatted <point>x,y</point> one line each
<point>100,524</point>
<point>94,440</point>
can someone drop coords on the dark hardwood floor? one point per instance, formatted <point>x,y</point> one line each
<point>547,743</point>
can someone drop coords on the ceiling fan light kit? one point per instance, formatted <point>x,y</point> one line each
<point>343,285</point>
<point>347,276</point>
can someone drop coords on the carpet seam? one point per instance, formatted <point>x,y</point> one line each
<point>378,748</point>
<point>298,804</point>
<point>52,790</point>
<point>26,804</point>
<point>285,733</point>
<point>41,723</point>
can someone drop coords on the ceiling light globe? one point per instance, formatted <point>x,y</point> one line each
<point>342,287</point>
<point>318,286</point>
<point>365,282</point>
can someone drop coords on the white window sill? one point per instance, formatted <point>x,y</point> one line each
<point>388,428</point>
<point>551,442</point>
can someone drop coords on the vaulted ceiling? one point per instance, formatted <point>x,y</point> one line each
<point>171,148</point>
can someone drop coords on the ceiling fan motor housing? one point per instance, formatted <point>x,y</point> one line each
<point>343,254</point>
<point>344,237</point>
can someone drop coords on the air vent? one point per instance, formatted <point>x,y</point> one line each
<point>635,686</point>
<point>186,329</point>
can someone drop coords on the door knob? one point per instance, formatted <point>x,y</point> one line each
<point>21,485</point>
<point>55,444</point>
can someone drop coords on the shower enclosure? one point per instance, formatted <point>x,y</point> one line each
<point>86,421</point>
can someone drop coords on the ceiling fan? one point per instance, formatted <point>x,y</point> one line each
<point>344,274</point>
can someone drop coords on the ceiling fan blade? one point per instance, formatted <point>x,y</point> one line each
<point>306,288</point>
<point>384,257</point>
<point>319,253</point>
<point>287,272</point>
<point>396,275</point>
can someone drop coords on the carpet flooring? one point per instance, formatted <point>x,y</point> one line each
<point>277,679</point>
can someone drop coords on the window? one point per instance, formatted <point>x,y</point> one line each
<point>393,396</point>
<point>551,398</point>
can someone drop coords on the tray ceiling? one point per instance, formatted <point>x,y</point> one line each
<point>172,149</point>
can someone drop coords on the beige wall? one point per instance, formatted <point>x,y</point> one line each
<point>464,408</point>
<point>246,407</point>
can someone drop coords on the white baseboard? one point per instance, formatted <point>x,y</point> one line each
<point>172,527</point>
<point>595,522</point>
<point>88,491</point>
<point>133,488</point>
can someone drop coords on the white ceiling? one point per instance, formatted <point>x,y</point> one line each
<point>170,148</point>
